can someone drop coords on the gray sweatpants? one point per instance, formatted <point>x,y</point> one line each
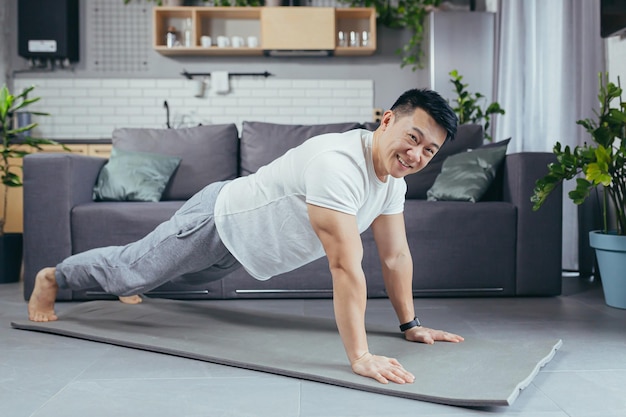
<point>187,243</point>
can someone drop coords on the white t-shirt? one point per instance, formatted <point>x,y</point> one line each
<point>263,220</point>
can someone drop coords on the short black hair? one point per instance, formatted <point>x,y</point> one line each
<point>432,103</point>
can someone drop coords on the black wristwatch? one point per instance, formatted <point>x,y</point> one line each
<point>413,323</point>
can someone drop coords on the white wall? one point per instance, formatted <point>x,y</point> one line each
<point>113,54</point>
<point>91,108</point>
<point>616,59</point>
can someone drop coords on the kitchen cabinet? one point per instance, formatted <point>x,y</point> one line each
<point>298,28</point>
<point>274,28</point>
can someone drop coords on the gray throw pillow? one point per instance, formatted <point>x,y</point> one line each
<point>466,176</point>
<point>468,136</point>
<point>262,142</point>
<point>208,153</point>
<point>134,176</point>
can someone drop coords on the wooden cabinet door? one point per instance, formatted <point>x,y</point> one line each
<point>298,28</point>
<point>102,151</point>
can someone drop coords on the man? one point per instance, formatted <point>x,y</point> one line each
<point>313,201</point>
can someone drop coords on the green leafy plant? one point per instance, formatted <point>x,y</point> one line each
<point>468,108</point>
<point>16,141</point>
<point>402,14</point>
<point>602,163</point>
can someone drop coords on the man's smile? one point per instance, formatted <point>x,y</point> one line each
<point>404,163</point>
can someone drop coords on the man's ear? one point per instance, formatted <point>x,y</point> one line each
<point>386,119</point>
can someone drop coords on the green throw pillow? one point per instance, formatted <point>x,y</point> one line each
<point>466,176</point>
<point>134,176</point>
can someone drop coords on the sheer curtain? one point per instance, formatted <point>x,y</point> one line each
<point>4,35</point>
<point>550,54</point>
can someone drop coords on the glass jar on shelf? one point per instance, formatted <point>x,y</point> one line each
<point>187,41</point>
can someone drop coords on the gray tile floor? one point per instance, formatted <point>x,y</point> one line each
<point>46,375</point>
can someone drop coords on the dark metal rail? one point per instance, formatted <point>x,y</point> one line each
<point>190,75</point>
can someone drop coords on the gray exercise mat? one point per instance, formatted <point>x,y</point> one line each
<point>472,373</point>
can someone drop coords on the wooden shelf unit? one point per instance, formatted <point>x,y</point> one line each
<point>210,21</point>
<point>276,28</point>
<point>359,20</point>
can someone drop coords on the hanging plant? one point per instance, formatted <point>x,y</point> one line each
<point>401,14</point>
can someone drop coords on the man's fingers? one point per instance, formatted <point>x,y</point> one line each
<point>397,373</point>
<point>403,376</point>
<point>455,337</point>
<point>430,336</point>
<point>449,337</point>
<point>402,373</point>
<point>393,376</point>
<point>380,378</point>
<point>382,369</point>
<point>395,362</point>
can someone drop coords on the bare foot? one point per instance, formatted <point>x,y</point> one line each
<point>41,304</point>
<point>131,299</point>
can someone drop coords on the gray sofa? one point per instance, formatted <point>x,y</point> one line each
<point>495,247</point>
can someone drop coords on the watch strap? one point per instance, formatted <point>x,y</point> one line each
<point>409,325</point>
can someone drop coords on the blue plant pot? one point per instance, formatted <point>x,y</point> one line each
<point>611,255</point>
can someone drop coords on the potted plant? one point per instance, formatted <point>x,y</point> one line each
<point>467,107</point>
<point>16,143</point>
<point>400,14</point>
<point>602,164</point>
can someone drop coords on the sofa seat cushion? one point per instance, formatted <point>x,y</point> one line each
<point>309,281</point>
<point>460,247</point>
<point>208,154</point>
<point>261,142</point>
<point>115,223</point>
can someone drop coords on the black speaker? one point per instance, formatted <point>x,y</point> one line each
<point>48,29</point>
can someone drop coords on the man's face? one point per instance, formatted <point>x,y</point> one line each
<point>406,144</point>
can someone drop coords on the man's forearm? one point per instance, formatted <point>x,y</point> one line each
<point>349,300</point>
<point>398,277</point>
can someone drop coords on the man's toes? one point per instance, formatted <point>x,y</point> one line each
<point>132,299</point>
<point>42,317</point>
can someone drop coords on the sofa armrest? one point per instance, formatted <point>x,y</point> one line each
<point>54,183</point>
<point>539,233</point>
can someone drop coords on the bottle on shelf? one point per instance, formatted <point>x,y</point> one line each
<point>187,33</point>
<point>170,37</point>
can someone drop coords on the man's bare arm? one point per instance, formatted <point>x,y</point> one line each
<point>340,237</point>
<point>397,267</point>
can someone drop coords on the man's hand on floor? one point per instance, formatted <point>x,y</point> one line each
<point>430,336</point>
<point>382,369</point>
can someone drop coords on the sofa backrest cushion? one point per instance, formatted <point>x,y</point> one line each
<point>134,176</point>
<point>262,142</point>
<point>208,153</point>
<point>466,176</point>
<point>468,136</point>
